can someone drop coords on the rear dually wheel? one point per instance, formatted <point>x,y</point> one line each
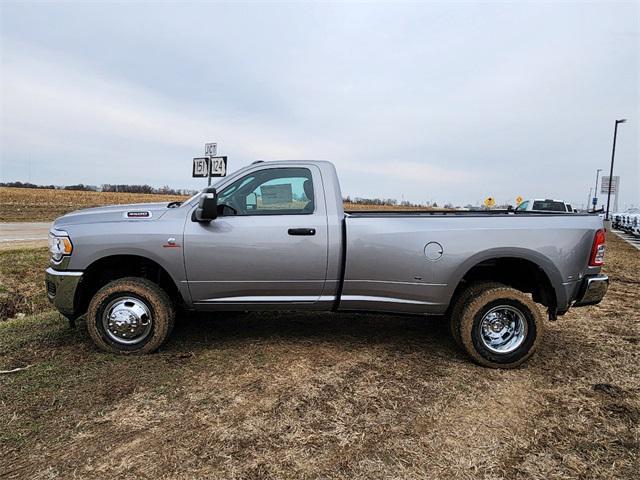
<point>500,327</point>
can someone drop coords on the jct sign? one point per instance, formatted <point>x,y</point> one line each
<point>210,149</point>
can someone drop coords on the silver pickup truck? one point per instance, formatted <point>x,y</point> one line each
<point>274,236</point>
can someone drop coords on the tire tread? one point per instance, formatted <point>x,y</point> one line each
<point>470,292</point>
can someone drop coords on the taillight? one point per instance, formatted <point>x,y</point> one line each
<point>597,250</point>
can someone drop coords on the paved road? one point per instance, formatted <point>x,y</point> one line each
<point>635,241</point>
<point>23,234</point>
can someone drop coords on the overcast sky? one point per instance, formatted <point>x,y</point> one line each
<point>447,102</point>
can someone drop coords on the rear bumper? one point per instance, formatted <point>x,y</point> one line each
<point>61,289</point>
<point>592,290</point>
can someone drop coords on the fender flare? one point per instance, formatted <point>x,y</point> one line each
<point>538,259</point>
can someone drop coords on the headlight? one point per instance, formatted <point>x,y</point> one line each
<point>59,246</point>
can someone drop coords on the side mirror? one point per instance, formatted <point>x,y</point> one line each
<point>207,208</point>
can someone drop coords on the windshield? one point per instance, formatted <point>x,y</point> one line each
<point>197,194</point>
<point>192,198</point>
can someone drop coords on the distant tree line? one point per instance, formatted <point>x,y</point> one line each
<point>371,201</point>
<point>106,187</point>
<point>26,185</point>
<point>164,190</point>
<point>387,202</point>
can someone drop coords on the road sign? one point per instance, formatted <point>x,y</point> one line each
<point>615,182</point>
<point>201,167</point>
<point>519,200</point>
<point>218,166</point>
<point>210,165</point>
<point>594,201</point>
<point>211,149</point>
<point>489,202</point>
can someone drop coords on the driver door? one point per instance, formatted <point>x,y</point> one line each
<point>269,248</point>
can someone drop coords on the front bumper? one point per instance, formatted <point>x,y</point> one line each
<point>61,289</point>
<point>592,290</point>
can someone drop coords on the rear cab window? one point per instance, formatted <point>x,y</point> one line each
<point>549,206</point>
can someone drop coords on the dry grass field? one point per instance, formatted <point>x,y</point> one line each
<point>344,396</point>
<point>41,205</point>
<point>21,281</point>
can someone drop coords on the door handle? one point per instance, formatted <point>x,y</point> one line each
<point>302,231</point>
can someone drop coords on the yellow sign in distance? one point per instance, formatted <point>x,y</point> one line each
<point>489,201</point>
<point>519,200</point>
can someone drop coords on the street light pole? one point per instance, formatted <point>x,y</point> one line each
<point>595,191</point>
<point>613,155</point>
<point>589,199</point>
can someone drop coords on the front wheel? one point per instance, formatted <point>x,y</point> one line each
<point>501,327</point>
<point>130,315</point>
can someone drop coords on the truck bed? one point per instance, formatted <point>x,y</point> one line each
<point>460,213</point>
<point>414,260</point>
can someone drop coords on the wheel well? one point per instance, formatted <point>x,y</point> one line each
<point>518,273</point>
<point>107,269</point>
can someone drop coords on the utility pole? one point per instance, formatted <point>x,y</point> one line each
<point>589,199</point>
<point>595,191</point>
<point>613,155</point>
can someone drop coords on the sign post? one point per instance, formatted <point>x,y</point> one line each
<point>210,165</point>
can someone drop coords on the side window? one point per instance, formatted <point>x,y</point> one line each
<point>523,205</point>
<point>274,191</point>
<point>228,192</point>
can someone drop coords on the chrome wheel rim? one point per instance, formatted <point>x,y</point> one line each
<point>503,329</point>
<point>127,320</point>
